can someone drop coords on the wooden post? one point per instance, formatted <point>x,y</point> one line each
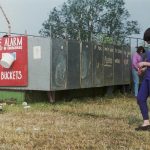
<point>51,96</point>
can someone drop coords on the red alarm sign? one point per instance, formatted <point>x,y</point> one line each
<point>13,61</point>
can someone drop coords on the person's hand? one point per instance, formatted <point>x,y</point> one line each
<point>141,64</point>
<point>139,71</point>
<point>144,64</point>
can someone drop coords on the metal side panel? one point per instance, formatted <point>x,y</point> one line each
<point>118,65</point>
<point>98,74</point>
<point>108,65</point>
<point>59,64</point>
<point>39,63</point>
<point>86,65</point>
<point>73,73</point>
<point>126,64</point>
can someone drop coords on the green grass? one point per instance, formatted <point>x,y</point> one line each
<point>85,124</point>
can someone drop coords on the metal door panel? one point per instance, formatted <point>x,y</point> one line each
<point>108,64</point>
<point>59,64</point>
<point>118,65</point>
<point>86,65</point>
<point>98,74</point>
<point>73,76</point>
<point>126,64</point>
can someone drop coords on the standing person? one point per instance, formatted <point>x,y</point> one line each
<point>144,91</point>
<point>136,58</point>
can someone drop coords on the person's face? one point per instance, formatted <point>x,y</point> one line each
<point>141,51</point>
<point>148,42</point>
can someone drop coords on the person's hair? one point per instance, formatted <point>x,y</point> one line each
<point>139,49</point>
<point>147,35</point>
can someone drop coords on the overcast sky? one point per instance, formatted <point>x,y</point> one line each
<point>30,14</point>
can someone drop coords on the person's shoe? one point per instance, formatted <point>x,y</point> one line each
<point>143,128</point>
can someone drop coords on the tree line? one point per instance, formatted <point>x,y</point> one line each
<point>88,20</point>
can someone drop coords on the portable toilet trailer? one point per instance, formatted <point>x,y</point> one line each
<point>46,64</point>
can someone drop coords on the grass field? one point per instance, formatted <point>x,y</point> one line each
<point>87,124</point>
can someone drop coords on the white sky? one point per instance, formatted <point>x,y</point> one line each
<point>30,14</point>
<point>26,14</point>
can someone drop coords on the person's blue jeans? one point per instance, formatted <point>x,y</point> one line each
<point>136,81</point>
<point>143,94</point>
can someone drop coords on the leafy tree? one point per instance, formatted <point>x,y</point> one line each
<point>116,21</point>
<point>87,19</point>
